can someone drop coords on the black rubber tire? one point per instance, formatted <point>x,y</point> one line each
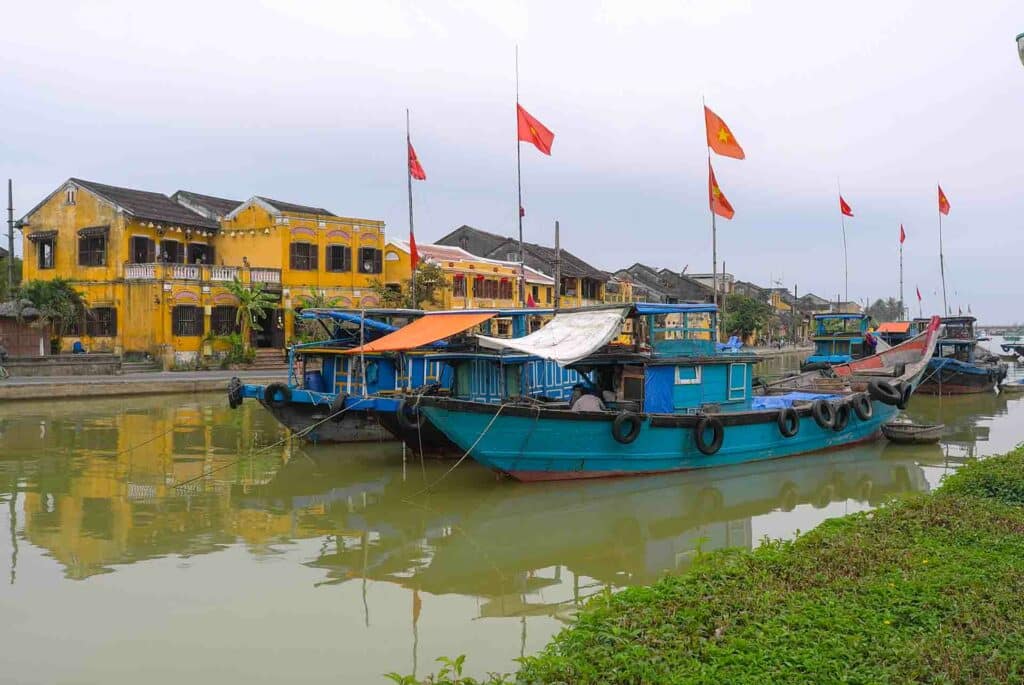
<point>862,407</point>
<point>338,407</point>
<point>271,395</point>
<point>884,392</point>
<point>407,417</point>
<point>788,422</point>
<point>824,413</point>
<point>717,429</point>
<point>842,419</point>
<point>906,390</point>
<point>234,392</point>
<point>634,427</point>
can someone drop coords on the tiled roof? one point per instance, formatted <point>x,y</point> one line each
<point>291,207</point>
<point>143,204</point>
<point>215,206</point>
<point>571,266</point>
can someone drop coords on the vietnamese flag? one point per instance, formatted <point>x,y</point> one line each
<point>918,293</point>
<point>844,207</point>
<point>720,138</point>
<point>903,234</point>
<point>415,168</point>
<point>532,131</point>
<point>943,202</point>
<point>414,254</point>
<point>719,204</point>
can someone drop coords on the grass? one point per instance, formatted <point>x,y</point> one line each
<point>923,590</point>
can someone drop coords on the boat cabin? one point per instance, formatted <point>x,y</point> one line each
<point>838,338</point>
<point>895,332</point>
<point>957,338</point>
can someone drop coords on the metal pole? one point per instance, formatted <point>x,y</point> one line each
<point>846,267</point>
<point>519,191</point>
<point>10,238</point>
<point>942,269</point>
<point>558,267</point>
<point>408,179</point>
<point>901,281</point>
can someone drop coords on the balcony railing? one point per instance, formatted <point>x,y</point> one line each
<point>186,272</point>
<point>269,278</point>
<point>225,273</point>
<point>140,272</point>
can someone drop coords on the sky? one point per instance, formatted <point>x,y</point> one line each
<point>305,102</point>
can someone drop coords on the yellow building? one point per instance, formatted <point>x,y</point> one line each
<point>154,269</point>
<point>472,282</point>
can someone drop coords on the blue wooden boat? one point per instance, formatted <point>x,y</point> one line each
<point>341,391</point>
<point>838,339</point>
<point>667,401</point>
<point>956,368</point>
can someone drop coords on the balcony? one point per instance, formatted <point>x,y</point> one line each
<point>269,278</point>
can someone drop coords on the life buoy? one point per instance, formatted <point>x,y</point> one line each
<point>234,392</point>
<point>717,430</point>
<point>277,395</point>
<point>789,422</point>
<point>408,417</point>
<point>634,427</point>
<point>905,390</point>
<point>862,407</point>
<point>842,417</point>
<point>823,412</point>
<point>884,392</point>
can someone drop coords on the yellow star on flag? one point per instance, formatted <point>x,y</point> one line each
<point>723,135</point>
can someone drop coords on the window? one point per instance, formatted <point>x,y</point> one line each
<point>224,320</point>
<point>459,286</point>
<point>591,288</point>
<point>536,293</point>
<point>69,195</point>
<point>547,294</point>
<point>303,256</point>
<point>102,322</point>
<point>171,252</point>
<point>186,320</point>
<point>339,258</point>
<point>505,289</point>
<point>371,260</point>
<point>737,381</point>
<point>199,253</point>
<point>688,375</point>
<point>569,287</point>
<point>143,250</point>
<point>45,247</point>
<point>485,287</point>
<point>92,250</point>
<point>504,328</point>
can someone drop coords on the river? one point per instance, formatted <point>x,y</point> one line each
<point>170,539</point>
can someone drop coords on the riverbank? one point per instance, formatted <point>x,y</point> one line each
<point>922,590</point>
<point>157,383</point>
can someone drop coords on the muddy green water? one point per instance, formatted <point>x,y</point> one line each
<point>278,562</point>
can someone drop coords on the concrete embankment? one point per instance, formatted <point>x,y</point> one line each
<point>75,387</point>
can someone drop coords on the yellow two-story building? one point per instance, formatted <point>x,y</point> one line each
<point>154,269</point>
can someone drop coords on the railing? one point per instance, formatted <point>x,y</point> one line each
<point>139,272</point>
<point>202,273</point>
<point>224,273</point>
<point>186,272</point>
<point>265,276</point>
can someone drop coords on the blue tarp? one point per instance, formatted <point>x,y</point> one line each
<point>787,400</point>
<point>680,308</point>
<point>658,384</point>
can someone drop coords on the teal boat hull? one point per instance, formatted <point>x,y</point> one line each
<point>535,444</point>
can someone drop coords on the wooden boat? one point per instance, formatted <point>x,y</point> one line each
<point>913,433</point>
<point>838,338</point>
<point>1014,386</point>
<point>956,368</point>
<point>669,402</point>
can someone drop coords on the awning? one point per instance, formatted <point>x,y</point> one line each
<point>894,327</point>
<point>89,231</point>
<point>41,235</point>
<point>568,337</point>
<point>429,329</point>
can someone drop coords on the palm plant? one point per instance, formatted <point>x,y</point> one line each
<point>253,304</point>
<point>309,331</point>
<point>60,305</point>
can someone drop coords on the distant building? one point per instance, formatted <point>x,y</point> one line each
<point>663,285</point>
<point>725,281</point>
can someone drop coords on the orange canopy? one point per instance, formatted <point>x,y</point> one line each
<point>423,331</point>
<point>894,327</point>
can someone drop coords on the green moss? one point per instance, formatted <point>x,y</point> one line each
<point>922,590</point>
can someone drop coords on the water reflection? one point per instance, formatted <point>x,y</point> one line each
<point>92,485</point>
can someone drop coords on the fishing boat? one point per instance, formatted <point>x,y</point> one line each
<point>1014,387</point>
<point>838,339</point>
<point>913,433</point>
<point>667,401</point>
<point>957,368</point>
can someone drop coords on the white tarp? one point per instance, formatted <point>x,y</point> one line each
<point>568,337</point>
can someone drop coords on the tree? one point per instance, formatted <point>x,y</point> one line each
<point>744,315</point>
<point>430,281</point>
<point>885,310</point>
<point>253,305</point>
<point>307,330</point>
<point>60,305</point>
<point>5,292</point>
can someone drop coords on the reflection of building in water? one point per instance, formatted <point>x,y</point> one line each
<point>116,501</point>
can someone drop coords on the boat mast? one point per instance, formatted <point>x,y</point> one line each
<point>519,193</point>
<point>901,278</point>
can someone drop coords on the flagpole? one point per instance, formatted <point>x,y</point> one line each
<point>714,227</point>
<point>408,178</point>
<point>901,278</point>
<point>846,262</point>
<point>519,196</point>
<point>942,268</point>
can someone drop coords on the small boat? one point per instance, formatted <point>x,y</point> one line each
<point>1014,386</point>
<point>913,433</point>
<point>667,401</point>
<point>957,367</point>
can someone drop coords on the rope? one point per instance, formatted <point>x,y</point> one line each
<point>462,458</point>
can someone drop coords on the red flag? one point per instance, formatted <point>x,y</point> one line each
<point>522,211</point>
<point>529,301</point>
<point>415,168</point>
<point>532,131</point>
<point>943,202</point>
<point>918,294</point>
<point>844,208</point>
<point>720,138</point>
<point>903,234</point>
<point>719,205</point>
<point>414,254</point>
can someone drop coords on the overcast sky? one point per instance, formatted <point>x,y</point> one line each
<point>305,101</point>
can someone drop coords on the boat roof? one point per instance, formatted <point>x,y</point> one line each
<point>425,331</point>
<point>840,316</point>
<point>894,327</point>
